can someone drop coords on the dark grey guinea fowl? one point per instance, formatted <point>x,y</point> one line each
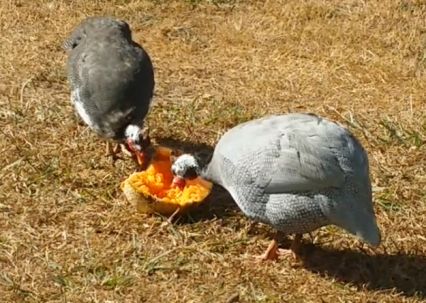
<point>295,172</point>
<point>112,81</point>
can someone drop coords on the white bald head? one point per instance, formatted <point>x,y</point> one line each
<point>186,166</point>
<point>132,132</point>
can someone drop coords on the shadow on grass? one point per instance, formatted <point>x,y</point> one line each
<point>404,273</point>
<point>219,204</point>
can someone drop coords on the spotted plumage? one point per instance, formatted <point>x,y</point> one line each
<point>111,78</point>
<point>296,172</point>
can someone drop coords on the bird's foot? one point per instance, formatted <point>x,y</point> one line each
<point>125,150</point>
<point>273,252</point>
<point>113,152</point>
<point>274,255</point>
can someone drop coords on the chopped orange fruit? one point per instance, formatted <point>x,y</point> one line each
<point>155,182</point>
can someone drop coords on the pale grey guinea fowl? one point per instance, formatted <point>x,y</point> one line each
<point>295,172</point>
<point>112,81</point>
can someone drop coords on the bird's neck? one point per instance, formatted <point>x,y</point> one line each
<point>210,172</point>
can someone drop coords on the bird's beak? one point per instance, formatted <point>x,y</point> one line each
<point>178,182</point>
<point>140,156</point>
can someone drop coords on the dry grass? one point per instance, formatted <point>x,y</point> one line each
<point>66,232</point>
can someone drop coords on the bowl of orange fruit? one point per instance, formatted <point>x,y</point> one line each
<point>151,190</point>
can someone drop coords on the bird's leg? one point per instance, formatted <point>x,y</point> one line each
<point>295,246</point>
<point>294,249</point>
<point>107,148</point>
<point>116,149</point>
<point>273,251</point>
<point>113,151</point>
<point>125,150</point>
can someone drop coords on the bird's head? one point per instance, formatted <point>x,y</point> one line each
<point>97,26</point>
<point>185,167</point>
<point>137,142</point>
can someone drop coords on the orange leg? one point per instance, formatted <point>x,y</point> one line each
<point>113,151</point>
<point>273,251</point>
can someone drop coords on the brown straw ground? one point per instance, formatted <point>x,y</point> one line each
<point>68,235</point>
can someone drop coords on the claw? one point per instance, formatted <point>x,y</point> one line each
<point>113,151</point>
<point>273,252</point>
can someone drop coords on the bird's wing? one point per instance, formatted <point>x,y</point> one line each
<point>126,80</point>
<point>117,83</point>
<point>289,153</point>
<point>303,162</point>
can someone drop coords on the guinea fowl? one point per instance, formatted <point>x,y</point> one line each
<point>295,172</point>
<point>112,82</point>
